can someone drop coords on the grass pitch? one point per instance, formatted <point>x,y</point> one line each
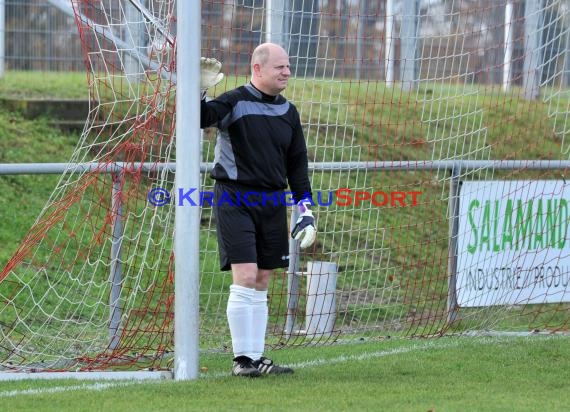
<point>445,374</point>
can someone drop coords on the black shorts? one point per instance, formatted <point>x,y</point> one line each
<point>251,227</point>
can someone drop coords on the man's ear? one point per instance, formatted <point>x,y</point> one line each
<point>256,69</point>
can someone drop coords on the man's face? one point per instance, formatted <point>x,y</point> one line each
<point>273,76</point>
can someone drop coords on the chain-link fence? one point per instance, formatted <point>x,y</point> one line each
<point>39,36</point>
<point>352,34</point>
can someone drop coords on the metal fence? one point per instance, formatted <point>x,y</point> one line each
<point>40,36</point>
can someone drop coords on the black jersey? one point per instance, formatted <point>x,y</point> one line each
<point>260,141</point>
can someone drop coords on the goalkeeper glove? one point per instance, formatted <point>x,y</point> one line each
<point>305,226</point>
<point>209,73</point>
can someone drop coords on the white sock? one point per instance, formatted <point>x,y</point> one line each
<point>240,319</point>
<point>259,322</point>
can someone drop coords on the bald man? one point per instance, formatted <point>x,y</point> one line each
<point>260,151</point>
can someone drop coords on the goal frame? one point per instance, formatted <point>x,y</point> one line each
<point>187,219</point>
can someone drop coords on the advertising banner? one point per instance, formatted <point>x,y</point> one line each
<point>513,243</point>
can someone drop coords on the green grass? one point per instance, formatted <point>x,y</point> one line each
<point>446,374</point>
<point>44,85</point>
<point>397,126</point>
<point>23,196</point>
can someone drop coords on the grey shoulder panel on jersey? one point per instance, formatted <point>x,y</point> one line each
<point>249,108</point>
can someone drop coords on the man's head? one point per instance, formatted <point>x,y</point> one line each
<point>270,69</point>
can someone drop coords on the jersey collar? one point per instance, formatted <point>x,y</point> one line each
<point>259,94</point>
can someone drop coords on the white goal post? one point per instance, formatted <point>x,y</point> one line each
<point>187,219</point>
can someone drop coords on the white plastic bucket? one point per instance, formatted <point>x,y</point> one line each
<point>320,312</point>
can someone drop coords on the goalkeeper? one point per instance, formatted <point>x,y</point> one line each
<point>260,148</point>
